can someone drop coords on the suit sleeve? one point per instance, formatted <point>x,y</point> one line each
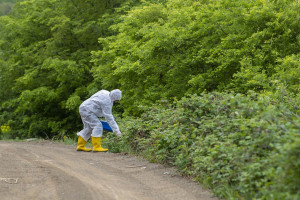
<point>107,112</point>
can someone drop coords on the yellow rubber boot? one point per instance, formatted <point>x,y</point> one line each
<point>96,141</point>
<point>81,145</point>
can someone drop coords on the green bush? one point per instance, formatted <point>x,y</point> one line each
<point>242,146</point>
<point>180,47</point>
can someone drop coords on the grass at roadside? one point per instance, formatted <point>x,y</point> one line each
<point>241,146</point>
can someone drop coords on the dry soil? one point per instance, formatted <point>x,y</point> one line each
<point>46,170</point>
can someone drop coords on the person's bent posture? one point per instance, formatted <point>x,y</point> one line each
<point>98,105</point>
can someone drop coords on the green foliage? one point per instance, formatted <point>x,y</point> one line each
<point>242,146</point>
<point>180,47</point>
<point>6,6</point>
<point>151,49</point>
<point>245,145</point>
<point>288,73</point>
<point>45,63</point>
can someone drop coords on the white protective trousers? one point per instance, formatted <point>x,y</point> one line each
<point>91,125</point>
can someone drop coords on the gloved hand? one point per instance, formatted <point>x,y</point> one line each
<point>118,133</point>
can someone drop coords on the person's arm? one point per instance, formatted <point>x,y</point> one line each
<point>107,112</point>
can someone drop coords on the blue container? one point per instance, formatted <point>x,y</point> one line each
<point>106,126</point>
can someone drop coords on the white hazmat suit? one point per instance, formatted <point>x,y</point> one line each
<point>98,105</point>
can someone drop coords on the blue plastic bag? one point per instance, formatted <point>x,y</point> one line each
<point>106,126</point>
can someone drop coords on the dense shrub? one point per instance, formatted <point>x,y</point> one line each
<point>242,146</point>
<point>162,51</point>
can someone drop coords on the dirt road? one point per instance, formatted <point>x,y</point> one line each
<point>45,170</point>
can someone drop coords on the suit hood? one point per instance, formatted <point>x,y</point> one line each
<point>115,95</point>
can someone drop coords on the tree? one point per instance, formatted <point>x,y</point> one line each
<point>45,50</point>
<point>165,51</point>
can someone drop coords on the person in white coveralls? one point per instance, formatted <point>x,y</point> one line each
<point>98,105</point>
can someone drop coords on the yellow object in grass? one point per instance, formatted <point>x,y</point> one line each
<point>5,128</point>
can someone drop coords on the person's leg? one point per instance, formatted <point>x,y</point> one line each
<point>97,132</point>
<point>85,133</point>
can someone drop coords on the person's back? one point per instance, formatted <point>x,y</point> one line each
<point>101,94</point>
<point>97,102</point>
